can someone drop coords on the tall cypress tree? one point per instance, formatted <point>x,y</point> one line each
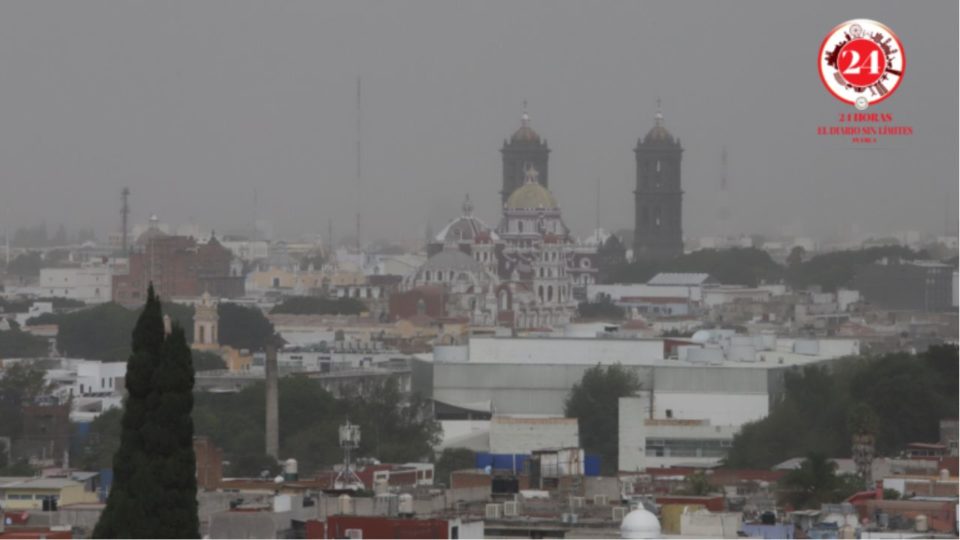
<point>154,484</point>
<point>169,437</point>
<point>125,514</point>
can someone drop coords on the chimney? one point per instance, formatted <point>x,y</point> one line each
<point>273,413</point>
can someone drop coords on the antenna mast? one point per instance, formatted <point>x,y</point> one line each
<point>125,215</point>
<point>359,157</point>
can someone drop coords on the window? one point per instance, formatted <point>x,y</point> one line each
<point>669,413</point>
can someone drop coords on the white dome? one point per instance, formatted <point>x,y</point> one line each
<point>640,523</point>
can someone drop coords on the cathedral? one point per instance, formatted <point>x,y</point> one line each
<point>529,272</point>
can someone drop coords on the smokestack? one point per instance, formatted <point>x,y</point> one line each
<point>273,413</point>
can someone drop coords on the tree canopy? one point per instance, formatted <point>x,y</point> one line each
<point>394,428</point>
<point>837,269</point>
<point>821,408</point>
<point>603,308</point>
<point>318,305</point>
<point>15,343</point>
<point>736,266</point>
<point>103,332</point>
<point>244,327</point>
<point>154,492</point>
<point>751,266</point>
<point>594,402</point>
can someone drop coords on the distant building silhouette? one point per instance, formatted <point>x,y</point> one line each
<point>658,230</point>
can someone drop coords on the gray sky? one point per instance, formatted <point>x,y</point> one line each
<point>196,104</point>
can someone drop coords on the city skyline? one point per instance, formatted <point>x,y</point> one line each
<point>195,125</point>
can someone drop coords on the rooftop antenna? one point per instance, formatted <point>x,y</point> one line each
<point>349,440</point>
<point>125,215</point>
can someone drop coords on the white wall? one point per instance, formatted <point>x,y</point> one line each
<point>90,284</point>
<point>524,435</point>
<point>719,409</point>
<point>566,350</point>
<point>631,455</point>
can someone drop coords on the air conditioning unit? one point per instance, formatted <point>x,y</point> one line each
<point>492,511</point>
<point>618,513</point>
<point>510,509</point>
<point>355,534</point>
<point>599,499</point>
<point>576,502</point>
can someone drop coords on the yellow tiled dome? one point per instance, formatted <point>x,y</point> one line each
<point>531,195</point>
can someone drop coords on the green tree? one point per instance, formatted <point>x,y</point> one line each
<point>816,412</point>
<point>594,402</point>
<point>135,489</point>
<point>697,484</point>
<point>317,305</point>
<point>395,427</point>
<point>453,459</point>
<point>20,383</point>
<point>837,269</point>
<point>603,308</point>
<point>16,343</point>
<point>796,256</point>
<point>814,483</point>
<point>168,435</point>
<point>244,327</point>
<point>207,361</point>
<point>154,488</point>
<point>102,441</point>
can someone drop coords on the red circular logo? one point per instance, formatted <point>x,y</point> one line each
<point>861,62</point>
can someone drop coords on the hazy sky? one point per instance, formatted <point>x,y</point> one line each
<point>195,104</point>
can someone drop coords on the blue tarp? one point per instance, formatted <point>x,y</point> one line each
<point>502,462</point>
<point>517,463</point>
<point>591,465</point>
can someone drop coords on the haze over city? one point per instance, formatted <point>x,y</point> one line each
<point>195,106</point>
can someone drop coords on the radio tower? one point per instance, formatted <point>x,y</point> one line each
<point>723,201</point>
<point>359,159</point>
<point>125,215</point>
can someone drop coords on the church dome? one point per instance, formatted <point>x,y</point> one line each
<point>658,134</point>
<point>465,228</point>
<point>531,195</point>
<point>525,134</point>
<point>640,523</point>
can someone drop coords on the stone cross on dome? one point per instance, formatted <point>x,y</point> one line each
<point>467,206</point>
<point>524,118</point>
<point>659,115</point>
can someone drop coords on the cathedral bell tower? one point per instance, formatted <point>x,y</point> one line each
<point>524,149</point>
<point>658,229</point>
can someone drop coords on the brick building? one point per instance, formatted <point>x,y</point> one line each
<point>178,266</point>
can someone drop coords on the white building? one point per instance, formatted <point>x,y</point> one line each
<point>523,435</point>
<point>89,283</point>
<point>665,442</point>
<point>533,376</point>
